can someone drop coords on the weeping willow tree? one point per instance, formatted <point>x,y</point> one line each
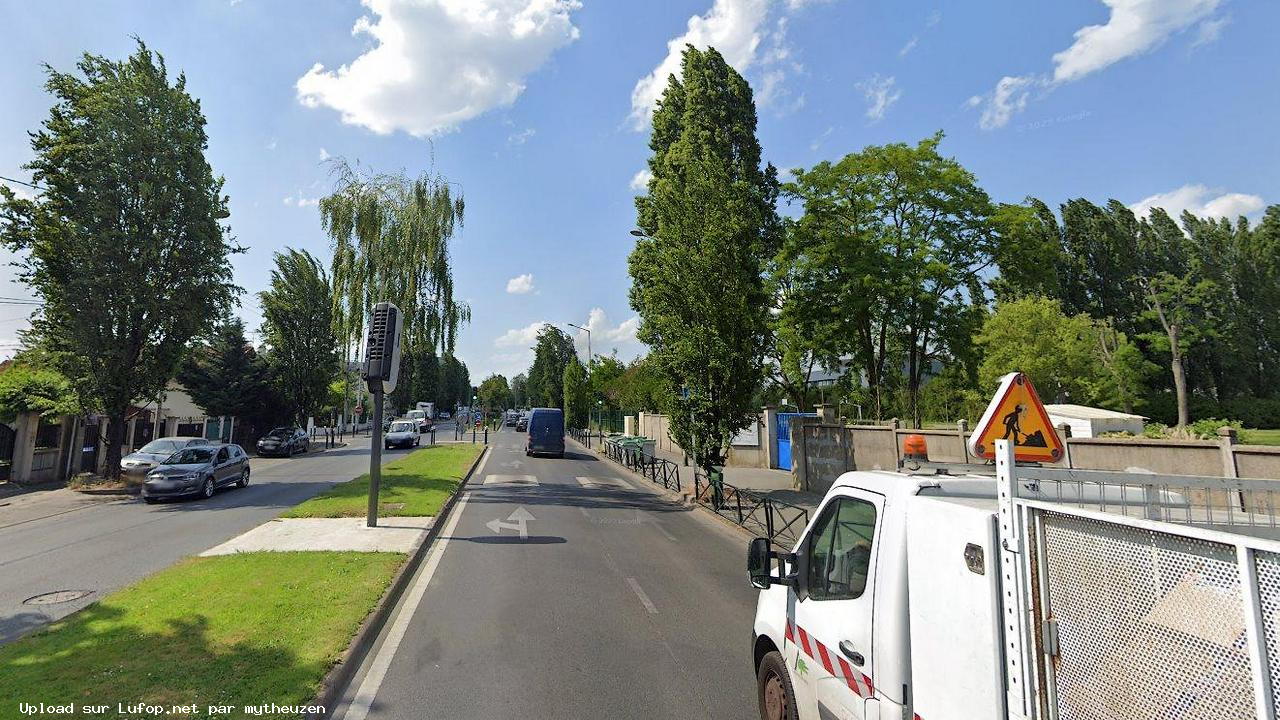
<point>391,239</point>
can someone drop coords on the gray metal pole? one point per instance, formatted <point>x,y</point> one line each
<point>375,457</point>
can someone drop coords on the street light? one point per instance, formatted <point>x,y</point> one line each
<point>639,233</point>
<point>588,332</point>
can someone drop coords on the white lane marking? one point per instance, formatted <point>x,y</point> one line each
<point>363,701</point>
<point>644,599</point>
<point>510,480</point>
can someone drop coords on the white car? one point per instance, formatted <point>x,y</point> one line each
<point>402,433</point>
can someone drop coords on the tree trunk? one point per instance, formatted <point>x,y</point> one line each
<point>115,439</point>
<point>1179,376</point>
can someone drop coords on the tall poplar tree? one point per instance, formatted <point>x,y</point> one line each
<point>125,243</point>
<point>710,223</point>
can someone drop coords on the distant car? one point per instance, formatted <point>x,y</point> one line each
<point>198,470</point>
<point>512,418</point>
<point>420,420</point>
<point>546,432</point>
<point>142,460</point>
<point>444,415</point>
<point>522,423</point>
<point>284,442</point>
<point>402,433</point>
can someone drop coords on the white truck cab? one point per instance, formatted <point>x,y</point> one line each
<point>1038,593</point>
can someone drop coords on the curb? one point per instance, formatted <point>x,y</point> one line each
<point>339,676</point>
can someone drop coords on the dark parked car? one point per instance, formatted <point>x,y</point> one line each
<point>144,459</point>
<point>512,418</point>
<point>546,432</point>
<point>199,470</point>
<point>522,424</point>
<point>284,442</point>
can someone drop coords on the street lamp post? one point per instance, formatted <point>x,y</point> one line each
<point>588,332</point>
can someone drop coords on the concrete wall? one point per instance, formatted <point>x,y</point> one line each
<point>822,452</point>
<point>656,426</point>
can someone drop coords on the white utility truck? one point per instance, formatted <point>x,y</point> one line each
<point>942,593</point>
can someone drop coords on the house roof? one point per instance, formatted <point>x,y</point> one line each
<point>1084,412</point>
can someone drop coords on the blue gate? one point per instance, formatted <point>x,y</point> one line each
<point>784,437</point>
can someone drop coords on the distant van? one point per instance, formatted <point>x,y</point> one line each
<point>546,432</point>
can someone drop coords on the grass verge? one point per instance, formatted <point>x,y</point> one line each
<point>1261,437</point>
<point>415,485</point>
<point>234,630</point>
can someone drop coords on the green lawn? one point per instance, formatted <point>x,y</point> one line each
<point>233,630</point>
<point>421,481</point>
<point>1261,437</point>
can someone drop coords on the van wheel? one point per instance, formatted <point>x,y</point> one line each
<point>774,690</point>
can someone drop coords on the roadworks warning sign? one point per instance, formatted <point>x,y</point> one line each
<point>1016,414</point>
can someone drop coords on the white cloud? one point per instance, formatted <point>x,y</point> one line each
<point>1133,27</point>
<point>324,155</point>
<point>1009,97</point>
<point>272,144</point>
<point>911,45</point>
<point>299,200</point>
<point>524,337</point>
<point>818,141</point>
<point>522,137</point>
<point>606,337</point>
<point>1201,201</point>
<point>1210,30</point>
<point>742,32</point>
<point>437,63</point>
<point>930,22</point>
<point>520,284</point>
<point>640,181</point>
<point>880,94</point>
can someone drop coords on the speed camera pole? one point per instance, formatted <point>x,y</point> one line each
<point>382,369</point>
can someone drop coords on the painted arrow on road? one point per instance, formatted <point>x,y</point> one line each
<point>519,519</point>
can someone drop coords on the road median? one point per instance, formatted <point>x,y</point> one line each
<point>259,633</point>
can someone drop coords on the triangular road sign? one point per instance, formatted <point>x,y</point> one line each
<point>1016,414</point>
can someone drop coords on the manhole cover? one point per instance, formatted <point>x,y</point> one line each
<point>58,596</point>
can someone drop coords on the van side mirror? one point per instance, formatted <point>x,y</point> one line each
<point>758,554</point>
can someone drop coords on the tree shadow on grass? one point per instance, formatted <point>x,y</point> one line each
<point>97,656</point>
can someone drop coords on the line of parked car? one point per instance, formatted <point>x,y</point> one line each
<point>195,466</point>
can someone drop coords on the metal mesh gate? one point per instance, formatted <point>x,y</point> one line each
<point>1150,625</point>
<point>1267,565</point>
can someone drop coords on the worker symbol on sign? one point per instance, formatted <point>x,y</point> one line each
<point>1013,429</point>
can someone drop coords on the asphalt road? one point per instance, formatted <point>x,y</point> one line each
<point>62,540</point>
<point>619,603</point>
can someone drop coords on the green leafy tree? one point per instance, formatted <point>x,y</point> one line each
<point>298,328</point>
<point>27,389</point>
<point>577,394</point>
<point>455,384</point>
<point>641,387</point>
<point>1069,358</point>
<point>887,264</point>
<point>697,277</point>
<point>494,393</point>
<point>125,243</point>
<point>552,352</point>
<point>604,373</point>
<point>225,375</point>
<point>520,391</point>
<point>391,239</point>
<point>1028,251</point>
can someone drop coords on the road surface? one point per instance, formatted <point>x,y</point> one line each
<point>62,540</point>
<point>616,603</point>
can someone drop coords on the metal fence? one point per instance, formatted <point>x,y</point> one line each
<point>659,471</point>
<point>776,519</point>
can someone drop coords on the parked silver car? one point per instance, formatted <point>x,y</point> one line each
<point>145,458</point>
<point>198,470</point>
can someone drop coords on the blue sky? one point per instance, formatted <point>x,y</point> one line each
<point>538,108</point>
